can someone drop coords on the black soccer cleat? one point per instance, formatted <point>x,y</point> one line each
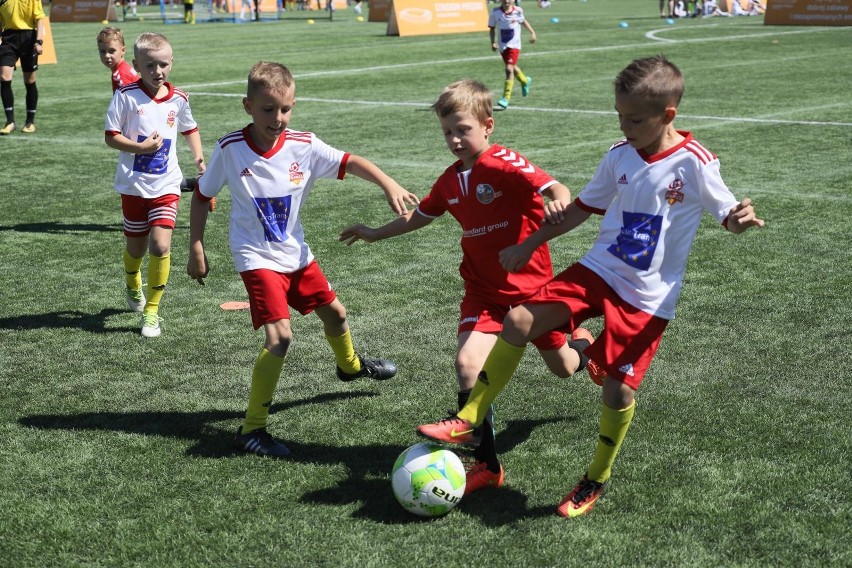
<point>188,184</point>
<point>376,369</point>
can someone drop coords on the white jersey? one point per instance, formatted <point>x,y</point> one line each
<point>652,207</point>
<point>508,26</point>
<point>267,193</point>
<point>136,115</point>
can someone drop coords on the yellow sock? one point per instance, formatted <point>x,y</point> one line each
<point>344,353</point>
<point>133,271</point>
<point>496,372</point>
<point>507,89</point>
<point>520,75</point>
<point>264,379</point>
<point>613,429</point>
<point>158,275</point>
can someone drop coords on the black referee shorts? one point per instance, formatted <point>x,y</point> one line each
<point>19,44</point>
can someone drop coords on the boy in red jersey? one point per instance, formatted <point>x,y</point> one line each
<point>652,189</point>
<point>496,196</point>
<point>270,171</point>
<point>111,50</point>
<point>143,122</point>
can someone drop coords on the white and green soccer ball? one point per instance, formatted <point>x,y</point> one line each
<point>428,480</point>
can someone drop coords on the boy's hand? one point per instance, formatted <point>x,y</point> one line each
<point>197,266</point>
<point>199,163</point>
<point>354,233</point>
<point>514,258</point>
<point>151,144</point>
<point>532,37</point>
<point>554,211</point>
<point>742,216</point>
<point>399,199</point>
<point>494,46</point>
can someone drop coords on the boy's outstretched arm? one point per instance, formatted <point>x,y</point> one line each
<point>742,216</point>
<point>196,264</point>
<point>410,221</point>
<point>396,195</point>
<point>516,257</point>
<point>531,30</point>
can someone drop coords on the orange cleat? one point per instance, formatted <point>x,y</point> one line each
<point>451,430</point>
<point>595,372</point>
<point>582,498</point>
<point>479,477</point>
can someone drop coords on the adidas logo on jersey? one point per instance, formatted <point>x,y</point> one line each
<point>623,179</point>
<point>627,369</point>
<point>245,173</point>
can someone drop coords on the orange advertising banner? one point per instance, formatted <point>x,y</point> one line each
<point>808,13</point>
<point>435,17</point>
<point>82,11</point>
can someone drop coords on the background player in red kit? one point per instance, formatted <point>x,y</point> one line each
<point>496,196</point>
<point>111,50</point>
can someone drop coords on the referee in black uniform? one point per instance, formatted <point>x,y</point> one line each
<point>22,22</point>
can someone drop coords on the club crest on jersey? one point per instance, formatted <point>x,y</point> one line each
<point>296,176</point>
<point>170,120</point>
<point>674,192</point>
<point>485,194</point>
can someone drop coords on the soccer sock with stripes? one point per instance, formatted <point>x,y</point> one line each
<point>520,75</point>
<point>133,270</point>
<point>496,372</point>
<point>507,88</point>
<point>158,276</point>
<point>264,379</point>
<point>344,353</point>
<point>32,101</point>
<point>486,451</point>
<point>613,429</point>
<point>8,98</point>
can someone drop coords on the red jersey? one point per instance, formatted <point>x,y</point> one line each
<point>123,75</point>
<point>498,204</point>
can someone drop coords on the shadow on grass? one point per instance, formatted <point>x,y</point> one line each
<point>69,319</point>
<point>53,227</point>
<point>368,466</point>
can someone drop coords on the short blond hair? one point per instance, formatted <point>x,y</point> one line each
<point>268,75</point>
<point>150,41</point>
<point>110,33</point>
<point>468,96</point>
<point>656,80</point>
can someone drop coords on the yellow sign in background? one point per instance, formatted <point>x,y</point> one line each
<point>425,17</point>
<point>809,13</point>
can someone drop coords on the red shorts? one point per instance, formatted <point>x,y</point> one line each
<point>270,293</point>
<point>510,55</point>
<point>483,316</point>
<point>140,214</point>
<point>630,337</point>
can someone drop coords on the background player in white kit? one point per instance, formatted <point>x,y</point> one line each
<point>652,189</point>
<point>270,171</point>
<point>143,122</point>
<point>504,28</point>
<point>496,196</point>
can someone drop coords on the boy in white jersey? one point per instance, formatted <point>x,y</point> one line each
<point>504,28</point>
<point>496,196</point>
<point>270,171</point>
<point>652,189</point>
<point>143,122</point>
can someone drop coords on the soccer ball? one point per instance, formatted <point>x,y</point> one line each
<point>428,480</point>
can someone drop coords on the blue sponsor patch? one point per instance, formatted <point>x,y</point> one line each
<point>274,213</point>
<point>638,239</point>
<point>155,162</point>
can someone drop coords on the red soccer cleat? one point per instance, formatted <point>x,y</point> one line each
<point>595,372</point>
<point>582,498</point>
<point>480,477</point>
<point>451,430</point>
